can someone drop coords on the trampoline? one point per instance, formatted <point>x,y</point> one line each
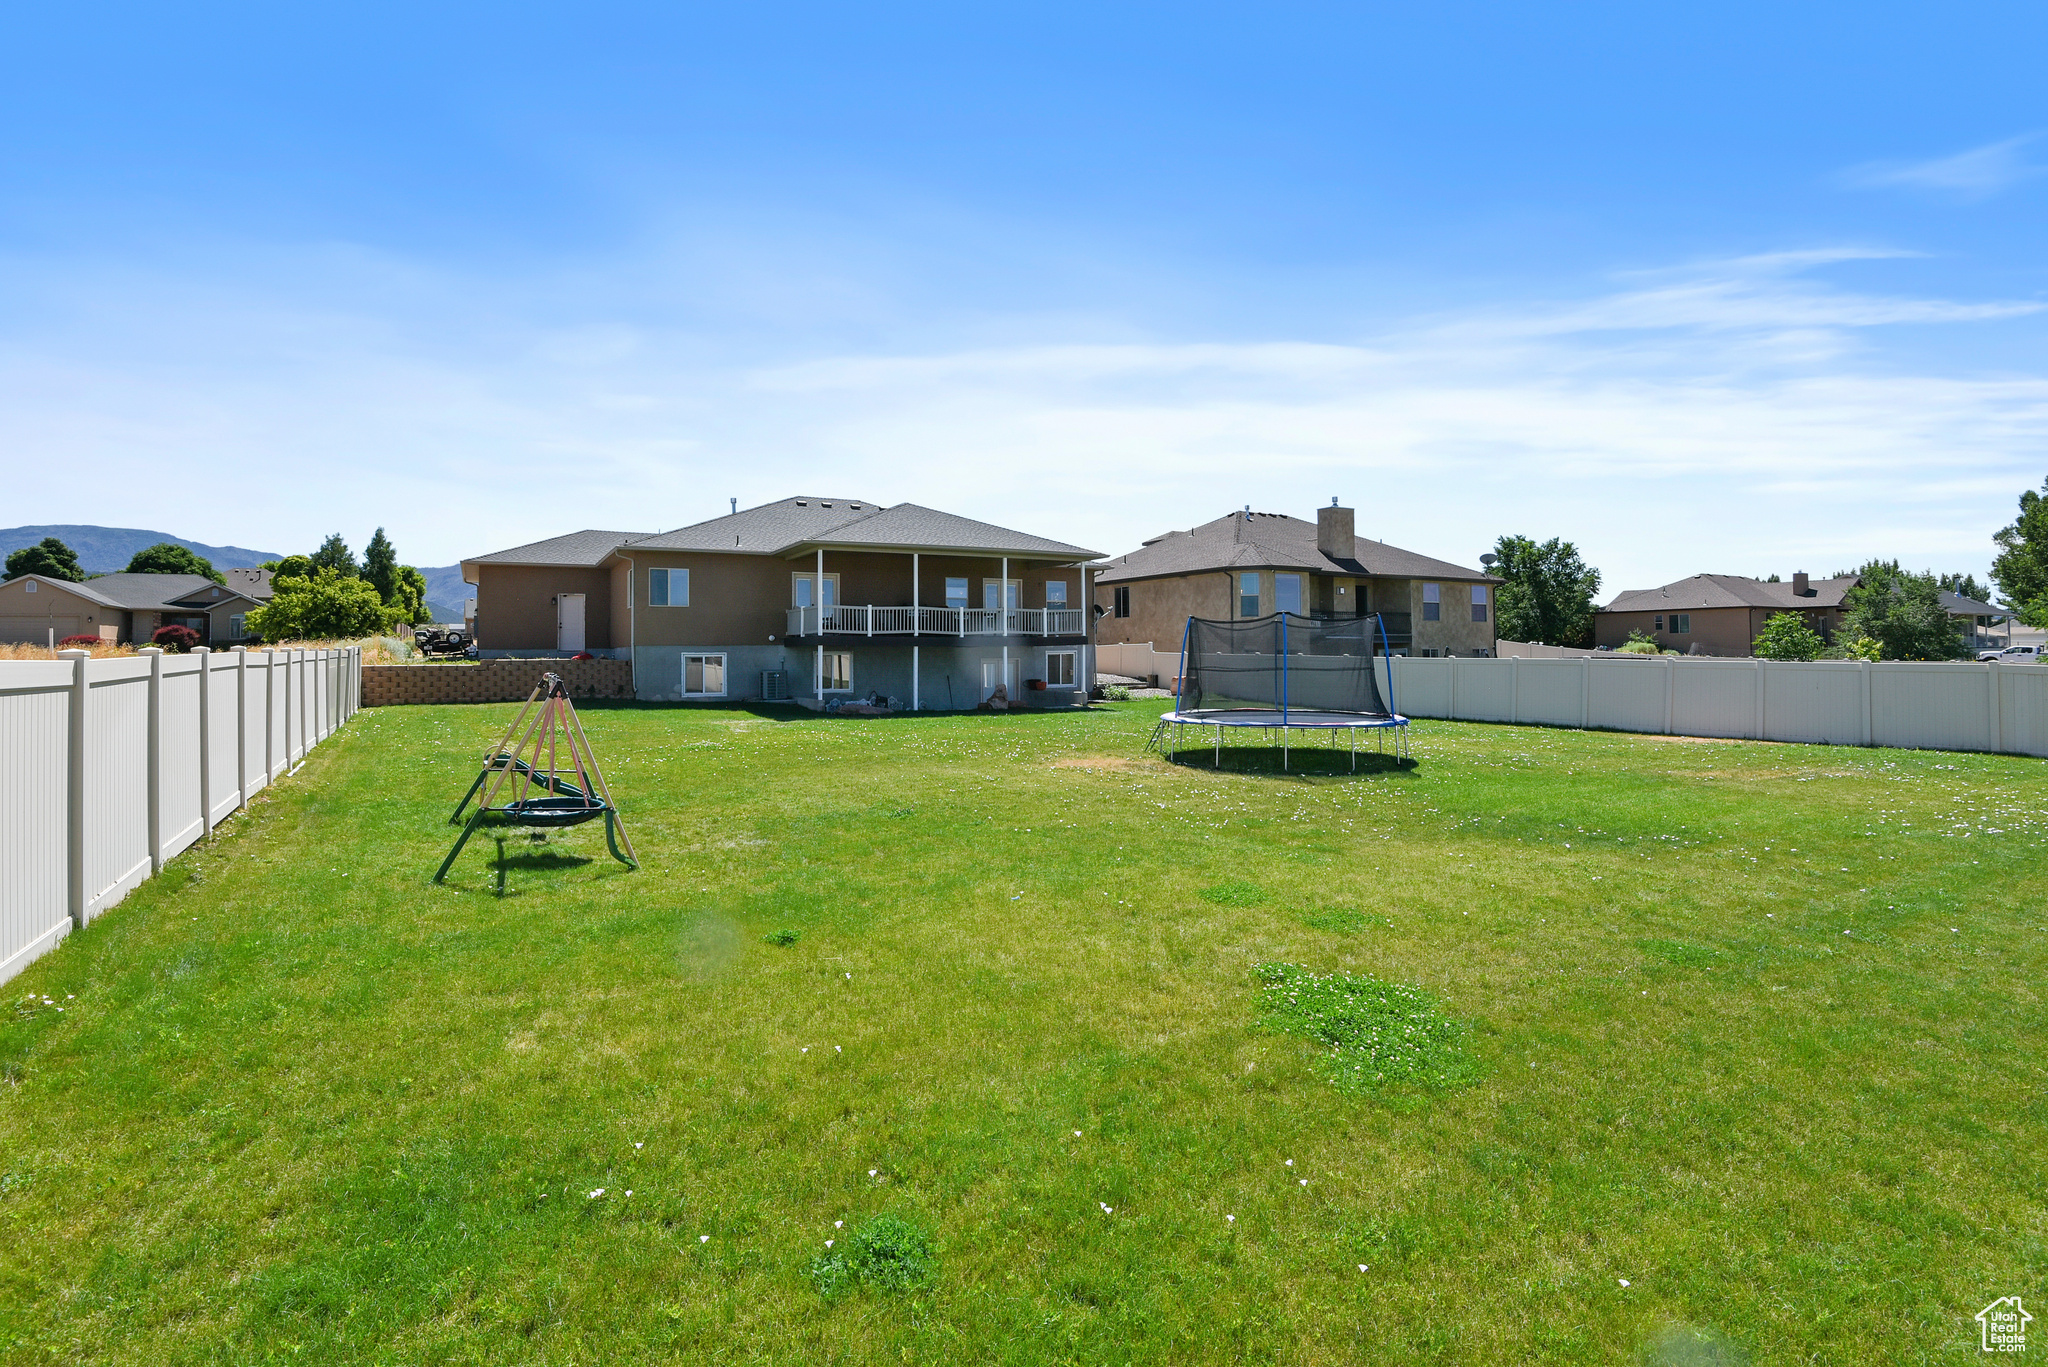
<point>1283,673</point>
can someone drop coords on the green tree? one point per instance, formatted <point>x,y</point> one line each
<point>411,605</point>
<point>1902,613</point>
<point>321,606</point>
<point>2021,569</point>
<point>50,558</point>
<point>1786,636</point>
<point>1546,594</point>
<point>335,555</point>
<point>168,557</point>
<point>380,566</point>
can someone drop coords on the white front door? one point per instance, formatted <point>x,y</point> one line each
<point>569,622</point>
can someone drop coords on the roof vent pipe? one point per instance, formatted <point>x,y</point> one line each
<point>735,505</point>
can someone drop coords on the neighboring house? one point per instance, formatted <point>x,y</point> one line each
<point>1254,564</point>
<point>130,607</point>
<point>1720,614</point>
<point>810,598</point>
<point>1984,627</point>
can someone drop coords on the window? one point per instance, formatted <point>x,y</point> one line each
<point>703,676</point>
<point>31,587</point>
<point>1055,593</point>
<point>1287,593</point>
<point>993,592</point>
<point>1123,600</point>
<point>237,626</point>
<point>1059,669</point>
<point>1247,595</point>
<point>1660,623</point>
<point>1479,602</point>
<point>956,593</point>
<point>800,590</point>
<point>1681,623</point>
<point>837,674</point>
<point>1432,603</point>
<point>668,588</point>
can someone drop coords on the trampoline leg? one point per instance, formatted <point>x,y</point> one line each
<point>611,839</point>
<point>1283,749</point>
<point>1219,745</point>
<point>460,841</point>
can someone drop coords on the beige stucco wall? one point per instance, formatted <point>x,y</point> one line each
<point>26,616</point>
<point>1730,632</point>
<point>1161,607</point>
<point>515,608</point>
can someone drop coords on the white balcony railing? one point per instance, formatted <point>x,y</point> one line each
<point>856,620</point>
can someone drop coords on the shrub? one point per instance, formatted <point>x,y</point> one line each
<point>1786,636</point>
<point>1379,1034</point>
<point>78,642</point>
<point>1639,644</point>
<point>888,1253</point>
<point>784,936</point>
<point>1116,693</point>
<point>174,638</point>
<point>321,605</point>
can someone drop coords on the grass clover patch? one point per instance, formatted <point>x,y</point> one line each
<point>888,1253</point>
<point>1378,1034</point>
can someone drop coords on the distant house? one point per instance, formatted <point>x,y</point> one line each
<point>130,607</point>
<point>1984,627</point>
<point>1254,564</point>
<point>1721,614</point>
<point>804,598</point>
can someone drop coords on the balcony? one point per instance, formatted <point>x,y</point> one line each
<point>850,620</point>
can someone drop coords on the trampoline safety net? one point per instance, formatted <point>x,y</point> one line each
<point>1295,666</point>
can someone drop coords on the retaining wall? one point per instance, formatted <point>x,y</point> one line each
<point>492,681</point>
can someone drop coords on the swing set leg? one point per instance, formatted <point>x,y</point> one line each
<point>456,820</point>
<point>460,841</point>
<point>611,839</point>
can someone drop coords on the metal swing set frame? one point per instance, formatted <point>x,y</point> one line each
<point>553,777</point>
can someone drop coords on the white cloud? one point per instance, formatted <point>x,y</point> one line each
<point>1741,416</point>
<point>1975,174</point>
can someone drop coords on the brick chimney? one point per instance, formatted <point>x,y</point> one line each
<point>1800,583</point>
<point>1336,531</point>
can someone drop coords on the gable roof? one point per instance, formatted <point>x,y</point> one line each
<point>586,548</point>
<point>1273,541</point>
<point>148,592</point>
<point>1958,606</point>
<point>253,584</point>
<point>1706,591</point>
<point>790,525</point>
<point>66,586</point>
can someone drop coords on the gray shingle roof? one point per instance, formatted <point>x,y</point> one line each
<point>66,586</point>
<point>1704,591</point>
<point>1959,606</point>
<point>146,592</point>
<point>1273,541</point>
<point>791,524</point>
<point>588,548</point>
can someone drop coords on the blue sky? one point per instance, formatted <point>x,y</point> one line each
<point>1744,289</point>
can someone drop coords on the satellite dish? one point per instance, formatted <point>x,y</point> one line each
<point>1489,560</point>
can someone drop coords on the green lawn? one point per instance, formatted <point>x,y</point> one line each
<point>1757,1029</point>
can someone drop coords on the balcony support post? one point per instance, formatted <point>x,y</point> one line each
<point>916,704</point>
<point>1003,606</point>
<point>916,611</point>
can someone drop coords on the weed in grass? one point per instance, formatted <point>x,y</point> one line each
<point>1341,920</point>
<point>1379,1034</point>
<point>1235,893</point>
<point>785,936</point>
<point>888,1253</point>
<point>1679,954</point>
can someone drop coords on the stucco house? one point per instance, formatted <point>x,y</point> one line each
<point>130,607</point>
<point>1721,614</point>
<point>1254,564</point>
<point>805,598</point>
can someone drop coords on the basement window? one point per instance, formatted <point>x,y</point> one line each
<point>703,676</point>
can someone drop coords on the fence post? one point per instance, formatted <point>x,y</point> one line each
<point>205,740</point>
<point>1994,684</point>
<point>156,757</point>
<point>1453,709</point>
<point>1670,688</point>
<point>1760,677</point>
<point>1515,690</point>
<point>74,804</point>
<point>1863,669</point>
<point>241,728</point>
<point>269,717</point>
<point>1585,692</point>
<point>304,671</point>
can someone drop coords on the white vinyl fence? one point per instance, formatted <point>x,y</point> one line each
<point>1958,706</point>
<point>108,768</point>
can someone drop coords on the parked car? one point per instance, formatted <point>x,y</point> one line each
<point>2012,655</point>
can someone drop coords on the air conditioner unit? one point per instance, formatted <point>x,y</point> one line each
<point>775,685</point>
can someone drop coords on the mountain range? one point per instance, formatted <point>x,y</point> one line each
<point>107,550</point>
